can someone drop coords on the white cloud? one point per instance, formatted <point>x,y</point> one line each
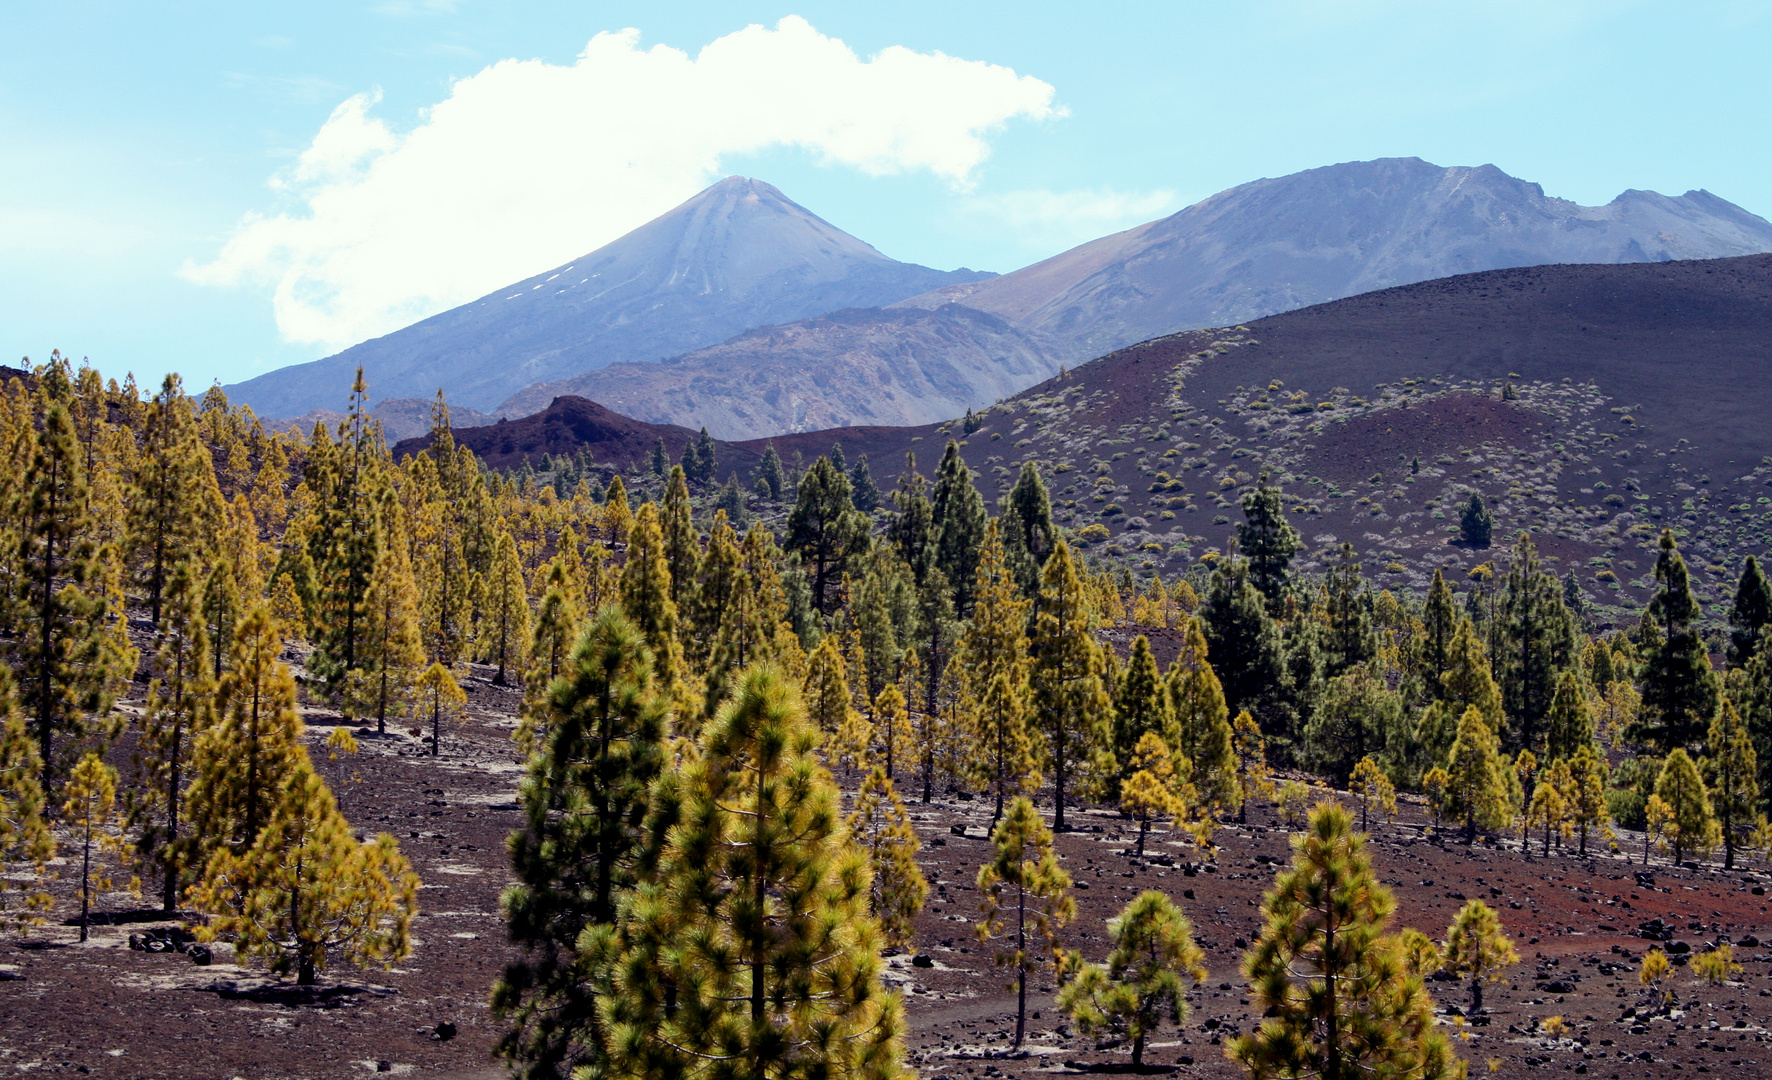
<point>1055,220</point>
<point>527,165</point>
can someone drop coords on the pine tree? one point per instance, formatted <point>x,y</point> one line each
<point>1569,722</point>
<point>1477,787</point>
<point>826,689</point>
<point>391,648</point>
<point>1477,949</point>
<point>882,826</point>
<point>440,697</point>
<point>1588,773</point>
<point>1154,789</point>
<point>173,501</point>
<point>1245,647</point>
<point>1338,1000</point>
<point>1351,641</point>
<point>960,518</point>
<point>720,592</point>
<point>825,530</point>
<point>1356,717</point>
<point>1466,683</point>
<point>912,527</point>
<point>1733,769</point>
<point>347,542</point>
<point>1029,535</point>
<point>1370,787</point>
<point>1688,800</point>
<point>1200,727</point>
<point>1023,877</point>
<point>1475,523</point>
<point>1065,678</point>
<point>1139,709</point>
<point>658,461</point>
<point>617,518</point>
<point>26,844</point>
<point>66,672</point>
<point>1539,643</point>
<point>90,808</point>
<point>892,730</point>
<point>937,630</point>
<point>221,613</point>
<point>251,750</point>
<point>772,479</point>
<point>584,799</point>
<point>1143,980</point>
<point>1439,620</point>
<point>682,549</point>
<point>1252,771</point>
<point>753,954</point>
<point>646,595</point>
<point>1548,807</point>
<point>864,492</point>
<point>307,893</point>
<point>1680,691</point>
<point>1750,614</point>
<point>179,706</point>
<point>506,627</point>
<point>697,461</point>
<point>993,646</point>
<point>1267,540</point>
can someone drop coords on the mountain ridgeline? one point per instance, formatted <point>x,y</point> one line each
<point>768,320</point>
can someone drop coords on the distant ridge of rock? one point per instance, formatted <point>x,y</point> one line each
<point>738,255</point>
<point>857,367</point>
<point>1284,243</point>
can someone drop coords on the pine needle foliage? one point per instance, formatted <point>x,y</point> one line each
<point>881,825</point>
<point>1145,977</point>
<point>1026,896</point>
<point>1476,949</point>
<point>1338,999</point>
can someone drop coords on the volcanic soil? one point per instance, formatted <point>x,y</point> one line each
<point>103,1009</point>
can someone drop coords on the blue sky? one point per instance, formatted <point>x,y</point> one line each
<point>140,144</point>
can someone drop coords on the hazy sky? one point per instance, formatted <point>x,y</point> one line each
<point>223,188</point>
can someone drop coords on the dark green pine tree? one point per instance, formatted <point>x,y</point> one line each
<point>1243,645</point>
<point>1475,524</point>
<point>1301,650</point>
<point>1753,700</point>
<point>705,460</point>
<point>1028,532</point>
<point>1536,642</point>
<point>1268,541</point>
<point>1351,640</point>
<point>173,501</point>
<point>772,479</point>
<point>1439,623</point>
<point>825,530</point>
<point>658,462</point>
<point>584,803</point>
<point>937,631</point>
<point>1751,613</point>
<point>862,489</point>
<point>837,458</point>
<point>912,529</point>
<point>1680,691</point>
<point>960,519</point>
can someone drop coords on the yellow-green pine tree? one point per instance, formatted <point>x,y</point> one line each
<point>179,705</point>
<point>1143,980</point>
<point>1202,730</point>
<point>646,595</point>
<point>1066,675</point>
<point>391,647</point>
<point>1683,790</point>
<point>25,840</point>
<point>1338,1001</point>
<point>90,808</point>
<point>506,628</point>
<point>306,893</point>
<point>1476,787</point>
<point>1477,949</point>
<point>881,825</point>
<point>1253,778</point>
<point>1371,787</point>
<point>441,698</point>
<point>1023,884</point>
<point>1734,768</point>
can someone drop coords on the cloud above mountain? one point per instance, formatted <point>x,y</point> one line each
<point>529,164</point>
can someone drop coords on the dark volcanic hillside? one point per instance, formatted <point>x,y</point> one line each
<point>738,255</point>
<point>1642,397</point>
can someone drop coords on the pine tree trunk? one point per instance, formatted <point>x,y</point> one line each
<point>1144,826</point>
<point>86,878</point>
<point>1138,1050</point>
<point>1021,993</point>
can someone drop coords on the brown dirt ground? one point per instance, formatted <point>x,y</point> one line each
<point>104,1010</point>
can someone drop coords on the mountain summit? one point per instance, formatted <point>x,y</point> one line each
<point>738,255</point>
<point>1284,243</point>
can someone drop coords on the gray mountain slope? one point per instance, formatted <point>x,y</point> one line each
<point>738,255</point>
<point>1279,244</point>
